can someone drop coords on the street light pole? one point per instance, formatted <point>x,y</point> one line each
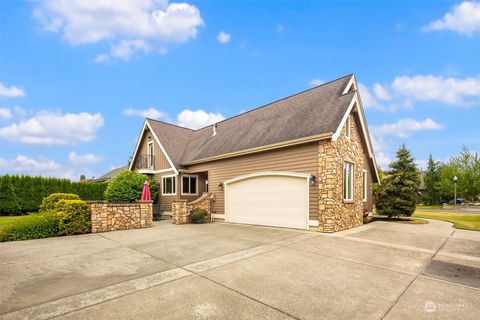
<point>455,191</point>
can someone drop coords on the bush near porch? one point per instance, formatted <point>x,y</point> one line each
<point>128,187</point>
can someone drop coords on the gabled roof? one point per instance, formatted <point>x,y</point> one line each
<point>107,177</point>
<point>317,113</point>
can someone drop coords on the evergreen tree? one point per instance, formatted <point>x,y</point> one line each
<point>25,191</point>
<point>432,180</point>
<point>8,199</point>
<point>399,191</point>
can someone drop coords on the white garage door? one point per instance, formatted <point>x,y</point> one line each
<point>270,199</point>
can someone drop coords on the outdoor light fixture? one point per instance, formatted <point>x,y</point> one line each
<point>220,186</point>
<point>455,179</point>
<point>313,179</point>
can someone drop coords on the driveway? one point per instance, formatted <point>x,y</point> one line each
<point>227,271</point>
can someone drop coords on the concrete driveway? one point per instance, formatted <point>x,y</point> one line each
<point>226,271</point>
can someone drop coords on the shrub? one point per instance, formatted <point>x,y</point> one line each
<point>49,203</point>
<point>74,217</point>
<point>30,191</point>
<point>197,215</point>
<point>128,187</point>
<point>33,226</point>
<point>8,199</point>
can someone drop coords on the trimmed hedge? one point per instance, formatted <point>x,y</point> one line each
<point>50,202</point>
<point>74,217</point>
<point>128,187</point>
<point>33,226</point>
<point>29,192</point>
<point>63,214</point>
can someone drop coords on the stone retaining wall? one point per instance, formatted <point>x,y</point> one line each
<point>181,208</point>
<point>120,216</point>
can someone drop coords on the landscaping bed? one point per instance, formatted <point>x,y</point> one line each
<point>406,220</point>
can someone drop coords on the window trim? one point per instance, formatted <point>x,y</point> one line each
<point>196,184</point>
<point>174,176</point>
<point>348,128</point>
<point>352,184</point>
<point>364,186</point>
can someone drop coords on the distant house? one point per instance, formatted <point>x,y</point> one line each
<point>107,177</point>
<point>305,161</point>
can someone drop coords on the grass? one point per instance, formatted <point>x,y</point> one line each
<point>6,220</point>
<point>399,220</point>
<point>438,207</point>
<point>465,221</point>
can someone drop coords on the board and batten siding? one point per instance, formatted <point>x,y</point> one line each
<point>301,159</point>
<point>161,161</point>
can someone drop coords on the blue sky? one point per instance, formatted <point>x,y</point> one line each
<point>76,77</point>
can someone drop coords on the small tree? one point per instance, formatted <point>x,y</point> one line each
<point>128,186</point>
<point>8,199</point>
<point>399,191</point>
<point>432,181</point>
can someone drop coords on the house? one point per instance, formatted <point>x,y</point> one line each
<point>305,161</point>
<point>107,177</point>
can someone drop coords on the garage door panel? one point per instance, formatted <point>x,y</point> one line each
<point>268,200</point>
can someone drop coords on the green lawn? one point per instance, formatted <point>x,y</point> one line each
<point>460,220</point>
<point>7,220</point>
<point>430,207</point>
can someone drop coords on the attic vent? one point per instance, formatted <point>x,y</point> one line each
<point>214,130</point>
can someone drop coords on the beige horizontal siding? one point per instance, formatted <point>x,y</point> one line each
<point>301,159</point>
<point>161,161</point>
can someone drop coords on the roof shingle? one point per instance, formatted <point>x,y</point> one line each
<point>312,112</point>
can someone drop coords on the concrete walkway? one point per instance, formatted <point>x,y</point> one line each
<point>224,271</point>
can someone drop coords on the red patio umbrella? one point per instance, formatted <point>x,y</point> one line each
<point>146,192</point>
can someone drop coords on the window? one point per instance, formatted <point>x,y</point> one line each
<point>189,184</point>
<point>150,158</point>
<point>168,185</point>
<point>348,125</point>
<point>348,181</point>
<point>364,185</point>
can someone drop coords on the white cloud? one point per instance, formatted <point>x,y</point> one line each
<point>464,19</point>
<point>25,165</point>
<point>381,92</point>
<point>383,160</point>
<point>316,82</point>
<point>53,128</point>
<point>5,113</point>
<point>151,113</point>
<point>403,91</point>
<point>453,91</point>
<point>42,166</point>
<point>198,119</point>
<point>223,37</point>
<point>280,28</point>
<point>130,26</point>
<point>404,127</point>
<point>12,92</point>
<point>85,159</point>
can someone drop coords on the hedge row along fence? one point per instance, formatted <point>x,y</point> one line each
<point>23,194</point>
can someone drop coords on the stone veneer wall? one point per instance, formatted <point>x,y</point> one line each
<point>181,208</point>
<point>119,216</point>
<point>334,213</point>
